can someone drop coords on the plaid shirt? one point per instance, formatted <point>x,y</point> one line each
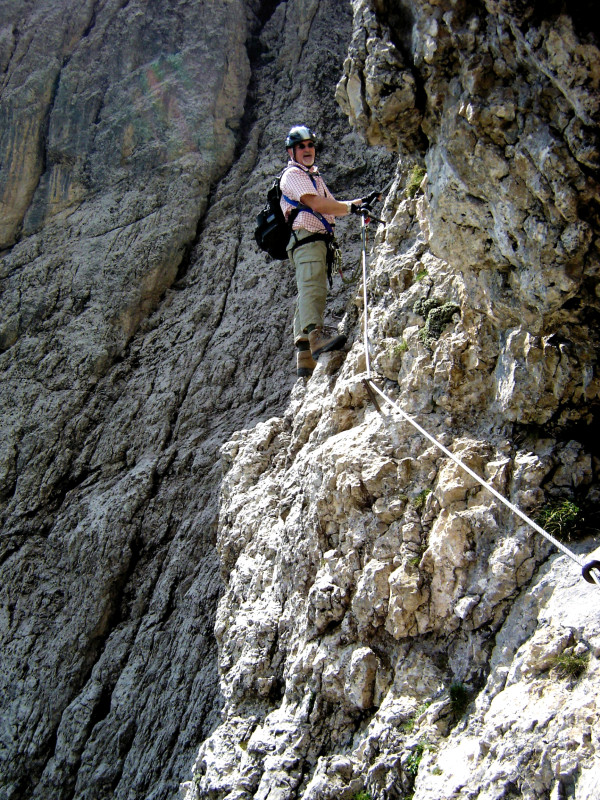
<point>296,182</point>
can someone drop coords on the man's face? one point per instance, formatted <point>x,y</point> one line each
<point>304,153</point>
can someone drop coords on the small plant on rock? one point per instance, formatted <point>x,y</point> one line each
<point>459,697</point>
<point>570,665</point>
<point>420,500</point>
<point>363,795</point>
<point>424,305</point>
<point>415,179</point>
<point>437,315</point>
<point>409,724</point>
<point>559,518</point>
<point>415,756</point>
<point>414,760</point>
<point>436,321</point>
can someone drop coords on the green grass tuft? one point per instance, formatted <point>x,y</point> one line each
<point>568,665</point>
<point>413,762</point>
<point>420,500</point>
<point>409,724</point>
<point>459,697</point>
<point>559,518</point>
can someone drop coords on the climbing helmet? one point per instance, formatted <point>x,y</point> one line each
<point>299,133</point>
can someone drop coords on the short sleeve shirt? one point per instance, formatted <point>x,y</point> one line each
<point>296,182</point>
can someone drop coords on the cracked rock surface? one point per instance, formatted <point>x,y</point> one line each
<point>139,328</point>
<point>220,582</point>
<point>389,629</point>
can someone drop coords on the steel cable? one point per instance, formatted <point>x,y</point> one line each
<point>590,569</point>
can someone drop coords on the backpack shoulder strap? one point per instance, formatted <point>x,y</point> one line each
<point>298,207</point>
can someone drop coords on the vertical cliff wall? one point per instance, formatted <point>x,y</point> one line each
<point>139,328</point>
<point>388,629</point>
<point>370,593</point>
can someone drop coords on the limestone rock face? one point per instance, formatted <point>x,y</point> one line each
<point>116,121</point>
<point>389,629</point>
<point>355,610</point>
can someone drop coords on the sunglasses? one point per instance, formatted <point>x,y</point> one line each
<point>302,145</point>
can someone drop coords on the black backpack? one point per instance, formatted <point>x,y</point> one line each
<point>273,231</point>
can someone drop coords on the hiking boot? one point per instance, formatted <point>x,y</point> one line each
<point>322,340</point>
<point>305,363</point>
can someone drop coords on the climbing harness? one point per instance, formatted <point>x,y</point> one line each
<point>334,256</point>
<point>590,570</point>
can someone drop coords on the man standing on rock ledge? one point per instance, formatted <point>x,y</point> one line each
<point>312,237</point>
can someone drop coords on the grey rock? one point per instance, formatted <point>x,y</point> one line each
<point>409,593</point>
<point>140,328</point>
<point>219,577</point>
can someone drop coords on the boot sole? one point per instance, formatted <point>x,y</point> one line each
<point>335,344</point>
